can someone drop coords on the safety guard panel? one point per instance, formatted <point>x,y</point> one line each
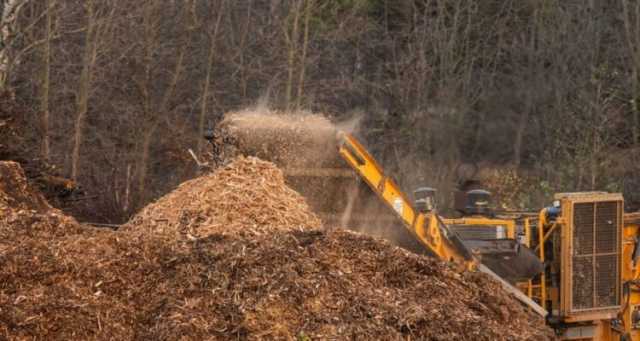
<point>591,269</point>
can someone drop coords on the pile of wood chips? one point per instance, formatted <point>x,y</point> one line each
<point>305,146</point>
<point>277,278</point>
<point>247,194</point>
<point>23,208</point>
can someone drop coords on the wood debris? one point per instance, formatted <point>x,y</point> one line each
<point>283,280</point>
<point>288,139</point>
<point>23,208</point>
<point>247,194</point>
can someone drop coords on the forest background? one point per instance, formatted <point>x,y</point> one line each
<point>541,94</point>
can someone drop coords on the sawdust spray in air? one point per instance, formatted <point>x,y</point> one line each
<point>292,140</point>
<point>299,142</point>
<point>304,142</point>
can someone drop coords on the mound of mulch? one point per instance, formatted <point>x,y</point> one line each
<point>305,146</point>
<point>247,194</point>
<point>15,191</point>
<point>284,285</point>
<point>23,208</point>
<point>246,269</point>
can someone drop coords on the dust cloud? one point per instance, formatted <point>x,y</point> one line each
<point>305,146</point>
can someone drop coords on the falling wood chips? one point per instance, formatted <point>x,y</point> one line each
<point>288,139</point>
<point>232,282</point>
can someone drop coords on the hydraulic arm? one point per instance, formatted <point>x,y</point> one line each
<point>427,228</point>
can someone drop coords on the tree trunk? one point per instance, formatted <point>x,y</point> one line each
<point>635,129</point>
<point>303,59</point>
<point>292,43</point>
<point>207,80</point>
<point>46,83</point>
<point>84,90</point>
<point>151,112</point>
<point>521,130</point>
<point>8,21</point>
<point>632,29</point>
<point>144,162</point>
<point>530,78</point>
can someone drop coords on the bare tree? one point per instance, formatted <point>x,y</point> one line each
<point>212,34</point>
<point>631,16</point>
<point>305,47</point>
<point>439,81</point>
<point>155,101</point>
<point>9,12</point>
<point>531,70</point>
<point>98,25</point>
<point>46,80</point>
<point>291,34</point>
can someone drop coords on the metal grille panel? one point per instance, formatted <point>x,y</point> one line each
<point>483,232</point>
<point>606,227</point>
<point>583,228</point>
<point>606,281</point>
<point>582,283</point>
<point>596,248</point>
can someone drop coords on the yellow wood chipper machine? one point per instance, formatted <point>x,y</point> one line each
<point>575,262</point>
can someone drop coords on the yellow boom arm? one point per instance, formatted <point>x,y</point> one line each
<point>427,228</point>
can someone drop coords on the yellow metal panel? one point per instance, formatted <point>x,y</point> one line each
<point>630,274</point>
<point>542,222</point>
